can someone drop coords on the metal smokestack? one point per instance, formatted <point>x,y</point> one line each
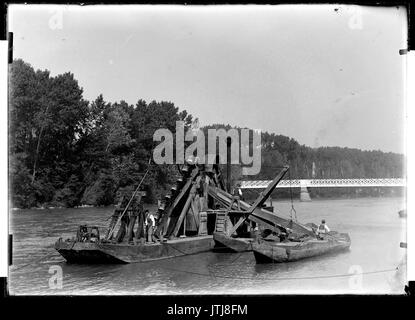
<point>228,164</point>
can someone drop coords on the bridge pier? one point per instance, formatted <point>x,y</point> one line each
<point>304,195</point>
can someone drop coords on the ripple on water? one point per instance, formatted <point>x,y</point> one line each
<point>373,225</point>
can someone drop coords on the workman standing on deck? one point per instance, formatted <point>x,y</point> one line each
<point>322,228</point>
<point>150,226</point>
<point>236,196</point>
<point>240,194</point>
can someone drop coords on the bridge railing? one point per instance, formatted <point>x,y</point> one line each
<point>327,183</point>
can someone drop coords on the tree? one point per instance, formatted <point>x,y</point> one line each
<point>66,151</point>
<point>47,117</point>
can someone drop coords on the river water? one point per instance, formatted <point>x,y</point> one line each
<point>375,262</point>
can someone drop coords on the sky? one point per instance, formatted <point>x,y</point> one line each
<point>325,75</point>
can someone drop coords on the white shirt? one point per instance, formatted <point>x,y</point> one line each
<point>323,228</point>
<point>191,160</point>
<point>153,221</point>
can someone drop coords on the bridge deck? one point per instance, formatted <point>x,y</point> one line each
<point>327,183</point>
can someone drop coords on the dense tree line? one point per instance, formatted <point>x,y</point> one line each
<point>66,151</point>
<point>328,162</point>
<point>320,163</point>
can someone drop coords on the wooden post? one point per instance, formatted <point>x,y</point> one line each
<point>130,227</point>
<point>166,217</point>
<point>237,225</point>
<point>184,211</point>
<point>195,213</point>
<point>202,224</point>
<point>128,204</point>
<point>140,233</point>
<point>184,226</point>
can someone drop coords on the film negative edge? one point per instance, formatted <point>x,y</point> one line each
<point>410,288</point>
<point>10,249</point>
<point>10,44</point>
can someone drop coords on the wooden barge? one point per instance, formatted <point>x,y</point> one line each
<point>101,252</point>
<point>275,251</point>
<point>185,225</point>
<point>274,238</point>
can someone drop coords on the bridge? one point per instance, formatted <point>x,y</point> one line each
<point>325,183</point>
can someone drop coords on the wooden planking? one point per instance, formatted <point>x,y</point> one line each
<point>184,210</point>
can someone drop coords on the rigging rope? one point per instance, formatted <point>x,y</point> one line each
<point>284,278</point>
<point>131,199</point>
<point>292,210</point>
<point>16,268</point>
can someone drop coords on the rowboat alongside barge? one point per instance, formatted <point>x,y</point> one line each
<point>275,238</point>
<point>274,251</point>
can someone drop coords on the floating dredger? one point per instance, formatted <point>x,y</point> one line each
<point>184,225</point>
<point>200,214</point>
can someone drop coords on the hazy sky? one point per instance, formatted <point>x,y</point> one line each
<point>321,76</point>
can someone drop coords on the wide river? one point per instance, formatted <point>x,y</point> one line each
<point>375,262</point>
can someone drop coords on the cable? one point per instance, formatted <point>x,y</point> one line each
<point>178,250</point>
<point>286,278</point>
<point>131,199</point>
<point>238,256</point>
<point>34,261</point>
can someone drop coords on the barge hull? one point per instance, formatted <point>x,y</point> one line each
<point>266,252</point>
<point>89,253</point>
<point>226,243</point>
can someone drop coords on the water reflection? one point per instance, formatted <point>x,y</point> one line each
<point>373,225</point>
